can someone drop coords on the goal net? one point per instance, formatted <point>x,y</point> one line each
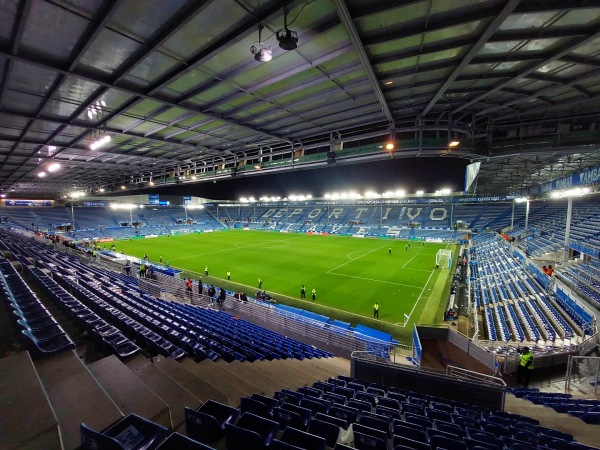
<point>443,259</point>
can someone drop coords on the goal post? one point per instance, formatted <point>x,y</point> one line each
<point>443,259</point>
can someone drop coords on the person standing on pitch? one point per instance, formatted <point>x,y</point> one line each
<point>259,282</point>
<point>228,275</point>
<point>376,310</point>
<point>389,250</point>
<point>302,292</point>
<point>206,270</point>
<point>314,294</point>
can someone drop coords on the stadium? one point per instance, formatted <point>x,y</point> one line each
<point>305,224</point>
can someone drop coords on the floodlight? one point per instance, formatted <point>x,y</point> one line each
<point>521,199</point>
<point>389,145</point>
<point>261,52</point>
<point>288,40</point>
<point>420,192</point>
<point>41,174</point>
<point>53,167</point>
<point>97,143</point>
<point>101,190</point>
<point>123,187</point>
<point>51,148</point>
<point>453,143</point>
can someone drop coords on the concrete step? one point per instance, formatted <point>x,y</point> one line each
<point>233,386</point>
<point>276,368</point>
<point>75,396</point>
<point>261,379</point>
<point>166,388</point>
<point>27,420</point>
<point>129,392</point>
<point>196,385</point>
<point>304,369</point>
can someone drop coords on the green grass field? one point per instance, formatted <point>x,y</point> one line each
<point>349,274</point>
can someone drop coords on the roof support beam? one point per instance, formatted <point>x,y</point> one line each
<point>483,39</point>
<point>542,92</point>
<point>565,50</point>
<point>348,23</point>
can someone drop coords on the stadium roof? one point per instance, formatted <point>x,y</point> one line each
<point>176,87</point>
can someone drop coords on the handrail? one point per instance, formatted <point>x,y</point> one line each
<point>470,375</point>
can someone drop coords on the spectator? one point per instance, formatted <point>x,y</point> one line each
<point>550,270</point>
<point>200,286</point>
<point>188,287</point>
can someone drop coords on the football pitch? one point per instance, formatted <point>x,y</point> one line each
<point>348,274</point>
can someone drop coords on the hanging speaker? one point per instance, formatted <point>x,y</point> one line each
<point>331,157</point>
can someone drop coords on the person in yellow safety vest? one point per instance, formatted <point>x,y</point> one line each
<point>376,311</point>
<point>228,275</point>
<point>525,366</point>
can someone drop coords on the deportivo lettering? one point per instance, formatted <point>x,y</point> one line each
<point>444,212</point>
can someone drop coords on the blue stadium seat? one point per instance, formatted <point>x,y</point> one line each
<point>41,348</point>
<point>342,423</point>
<point>375,423</point>
<point>446,443</point>
<point>251,431</point>
<point>269,402</point>
<point>130,433</point>
<point>302,439</point>
<point>366,397</point>
<point>305,413</point>
<point>285,395</point>
<point>400,442</point>
<point>347,413</point>
<point>334,398</point>
<point>314,392</point>
<point>248,405</point>
<point>180,442</point>
<point>390,413</point>
<point>280,445</point>
<point>207,423</point>
<point>404,431</point>
<point>360,405</point>
<point>366,438</point>
<point>389,403</point>
<point>287,418</point>
<point>316,405</point>
<point>328,431</point>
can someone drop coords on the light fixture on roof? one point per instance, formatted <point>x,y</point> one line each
<point>100,141</point>
<point>453,143</point>
<point>53,167</point>
<point>262,52</point>
<point>41,174</point>
<point>288,39</point>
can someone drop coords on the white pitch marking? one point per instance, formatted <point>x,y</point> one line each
<point>354,259</point>
<point>405,264</point>
<point>420,295</point>
<point>372,279</point>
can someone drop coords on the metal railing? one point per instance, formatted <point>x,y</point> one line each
<point>587,371</point>
<point>470,375</point>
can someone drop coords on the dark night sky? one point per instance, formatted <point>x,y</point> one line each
<point>411,174</point>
